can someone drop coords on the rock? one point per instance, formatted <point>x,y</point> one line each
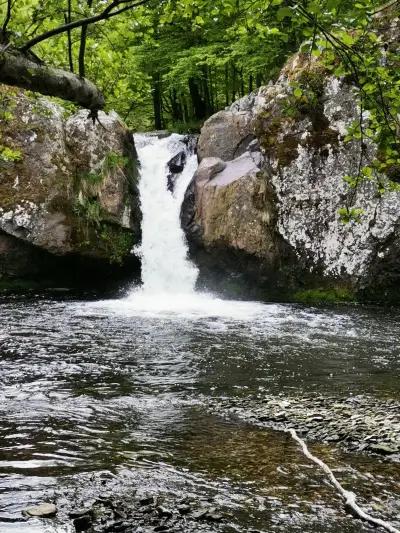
<point>77,513</point>
<point>175,166</point>
<point>184,508</point>
<point>44,510</point>
<point>146,500</point>
<point>208,168</point>
<point>384,449</point>
<point>164,511</point>
<point>229,133</point>
<point>214,516</point>
<point>69,188</point>
<point>272,214</point>
<point>177,163</point>
<point>371,427</point>
<point>200,514</point>
<point>82,523</point>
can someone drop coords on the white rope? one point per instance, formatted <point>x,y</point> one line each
<point>348,496</point>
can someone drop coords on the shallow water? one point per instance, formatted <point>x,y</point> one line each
<point>120,386</point>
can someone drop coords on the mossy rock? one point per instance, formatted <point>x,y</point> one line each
<point>50,163</point>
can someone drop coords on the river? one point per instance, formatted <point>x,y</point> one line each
<point>134,393</point>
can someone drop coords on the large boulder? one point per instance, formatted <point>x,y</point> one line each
<point>228,133</point>
<point>68,185</point>
<point>277,202</point>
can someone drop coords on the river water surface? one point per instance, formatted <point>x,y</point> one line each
<point>89,387</point>
<point>118,392</point>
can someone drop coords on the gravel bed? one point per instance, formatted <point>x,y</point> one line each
<point>359,423</point>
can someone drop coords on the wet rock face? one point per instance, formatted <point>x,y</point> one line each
<point>284,210</point>
<point>68,186</point>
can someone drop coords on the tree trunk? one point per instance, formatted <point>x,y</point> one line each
<point>198,103</point>
<point>157,102</point>
<point>175,107</point>
<point>19,71</point>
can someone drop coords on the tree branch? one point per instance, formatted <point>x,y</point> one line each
<point>7,18</point>
<point>104,15</point>
<point>19,71</point>
<point>69,38</point>
<point>348,497</point>
<point>82,48</point>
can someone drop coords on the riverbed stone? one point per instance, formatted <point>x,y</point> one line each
<point>357,423</point>
<point>44,510</point>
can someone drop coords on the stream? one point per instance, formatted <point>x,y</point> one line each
<point>134,395</point>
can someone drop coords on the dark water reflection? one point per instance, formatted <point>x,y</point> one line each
<point>86,390</point>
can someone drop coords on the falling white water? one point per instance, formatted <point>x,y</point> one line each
<point>165,265</point>
<point>168,276</point>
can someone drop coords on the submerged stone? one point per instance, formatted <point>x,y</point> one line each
<point>44,510</point>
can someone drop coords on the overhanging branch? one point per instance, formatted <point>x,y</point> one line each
<point>17,70</point>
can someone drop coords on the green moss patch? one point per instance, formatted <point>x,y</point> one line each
<point>333,295</point>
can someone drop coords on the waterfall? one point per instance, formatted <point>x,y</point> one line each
<point>165,265</point>
<point>168,276</point>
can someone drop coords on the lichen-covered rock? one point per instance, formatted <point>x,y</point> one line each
<point>289,202</point>
<point>68,186</point>
<point>227,134</point>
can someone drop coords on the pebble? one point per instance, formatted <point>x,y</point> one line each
<point>44,510</point>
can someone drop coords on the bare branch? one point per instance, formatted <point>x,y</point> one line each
<point>7,18</point>
<point>348,497</point>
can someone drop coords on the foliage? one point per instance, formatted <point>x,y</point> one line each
<point>89,209</point>
<point>92,177</point>
<point>117,242</point>
<point>9,155</point>
<point>114,161</point>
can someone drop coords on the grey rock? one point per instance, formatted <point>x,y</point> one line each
<point>226,135</point>
<point>44,510</point>
<point>292,229</point>
<point>72,177</point>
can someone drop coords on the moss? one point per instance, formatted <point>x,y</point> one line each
<point>321,295</point>
<point>268,131</point>
<point>9,155</point>
<point>303,100</point>
<point>117,242</point>
<point>41,110</point>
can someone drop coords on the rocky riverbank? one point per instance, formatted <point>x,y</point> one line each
<point>68,192</point>
<point>104,505</point>
<point>267,207</point>
<point>357,423</point>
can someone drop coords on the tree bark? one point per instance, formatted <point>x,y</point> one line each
<point>19,71</point>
